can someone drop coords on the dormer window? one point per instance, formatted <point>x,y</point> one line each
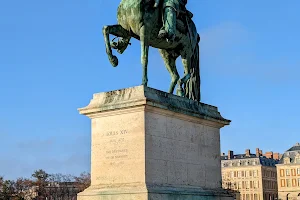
<point>287,160</point>
<point>239,163</point>
<point>297,159</point>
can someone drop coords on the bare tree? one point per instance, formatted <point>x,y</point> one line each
<point>7,189</point>
<point>41,182</point>
<point>24,189</point>
<point>83,181</point>
<point>44,186</point>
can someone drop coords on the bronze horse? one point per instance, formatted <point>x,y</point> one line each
<point>141,20</point>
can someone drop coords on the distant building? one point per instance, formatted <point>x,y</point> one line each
<point>253,176</point>
<point>62,191</point>
<point>54,191</point>
<point>288,171</point>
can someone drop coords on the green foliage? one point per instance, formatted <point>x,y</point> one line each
<point>40,175</point>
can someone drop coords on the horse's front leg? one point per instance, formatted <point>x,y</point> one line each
<point>144,37</point>
<point>118,31</point>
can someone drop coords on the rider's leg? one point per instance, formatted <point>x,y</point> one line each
<point>169,28</point>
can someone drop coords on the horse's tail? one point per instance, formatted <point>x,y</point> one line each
<point>192,86</point>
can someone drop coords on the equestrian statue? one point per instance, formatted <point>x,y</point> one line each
<point>163,24</point>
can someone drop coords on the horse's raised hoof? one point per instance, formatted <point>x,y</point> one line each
<point>114,61</point>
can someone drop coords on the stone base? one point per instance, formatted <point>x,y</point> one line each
<point>148,144</point>
<point>152,193</point>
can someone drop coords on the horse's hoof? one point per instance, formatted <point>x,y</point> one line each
<point>114,45</point>
<point>114,61</point>
<point>145,83</point>
<point>179,92</point>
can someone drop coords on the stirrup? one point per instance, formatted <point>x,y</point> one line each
<point>162,34</point>
<point>171,38</point>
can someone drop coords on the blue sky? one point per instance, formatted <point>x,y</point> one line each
<point>52,59</point>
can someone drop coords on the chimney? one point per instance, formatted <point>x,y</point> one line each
<point>230,154</point>
<point>260,152</point>
<point>247,152</point>
<point>276,156</point>
<point>269,154</point>
<point>257,152</point>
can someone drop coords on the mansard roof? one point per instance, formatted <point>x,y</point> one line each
<point>291,153</point>
<point>241,160</point>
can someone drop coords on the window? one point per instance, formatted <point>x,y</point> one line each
<point>236,186</point>
<point>239,185</point>
<point>293,172</point>
<point>297,160</point>
<point>231,174</point>
<point>255,184</point>
<point>247,173</point>
<point>294,182</point>
<point>287,172</point>
<point>287,160</point>
<point>247,197</point>
<point>282,183</point>
<point>239,174</point>
<point>247,185</point>
<point>299,182</point>
<point>255,197</point>
<point>255,173</point>
<point>288,183</point>
<point>282,172</point>
<point>298,171</point>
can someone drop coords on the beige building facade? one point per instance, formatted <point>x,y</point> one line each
<point>288,171</point>
<point>252,176</point>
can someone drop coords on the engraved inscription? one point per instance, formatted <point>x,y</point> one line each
<point>118,151</point>
<point>117,154</point>
<point>115,133</point>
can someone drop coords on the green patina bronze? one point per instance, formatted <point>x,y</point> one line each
<point>162,24</point>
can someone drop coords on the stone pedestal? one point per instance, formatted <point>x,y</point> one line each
<point>148,144</point>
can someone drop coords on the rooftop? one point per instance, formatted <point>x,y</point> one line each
<point>248,158</point>
<point>296,147</point>
<point>292,153</point>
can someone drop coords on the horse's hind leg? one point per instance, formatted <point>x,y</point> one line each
<point>186,62</point>
<point>118,31</point>
<point>170,63</point>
